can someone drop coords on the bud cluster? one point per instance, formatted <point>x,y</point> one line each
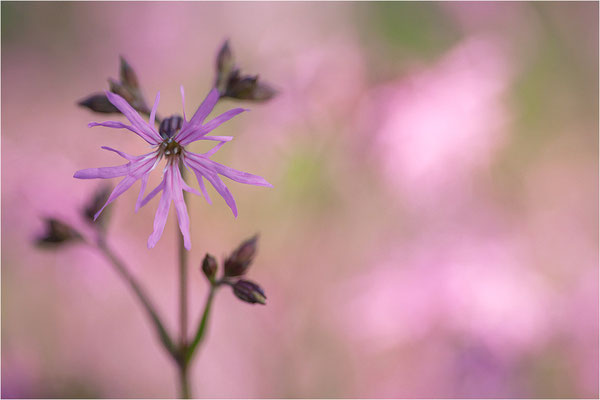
<point>231,83</point>
<point>59,232</point>
<point>127,87</point>
<point>234,267</point>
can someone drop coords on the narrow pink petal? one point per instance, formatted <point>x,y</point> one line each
<point>154,107</point>
<point>200,115</point>
<point>160,219</point>
<point>217,183</point>
<point>135,171</point>
<point>103,172</point>
<point>119,190</point>
<point>200,182</point>
<point>125,155</point>
<point>146,131</point>
<point>153,193</point>
<point>233,174</point>
<point>142,190</point>
<point>183,103</point>
<point>196,133</point>
<point>206,107</point>
<point>214,149</point>
<point>218,138</point>
<point>182,214</point>
<point>120,125</point>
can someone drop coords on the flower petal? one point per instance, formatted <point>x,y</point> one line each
<point>214,149</point>
<point>153,112</point>
<point>153,193</point>
<point>233,174</point>
<point>175,179</point>
<point>206,107</point>
<point>103,172</point>
<point>183,103</point>
<point>142,190</point>
<point>120,125</point>
<point>160,219</point>
<point>125,155</point>
<point>143,129</point>
<point>119,190</point>
<point>197,132</point>
<point>200,182</point>
<point>217,183</point>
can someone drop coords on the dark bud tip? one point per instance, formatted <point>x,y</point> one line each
<point>98,103</point>
<point>94,205</point>
<point>127,75</point>
<point>209,267</point>
<point>249,292</point>
<point>240,259</point>
<point>225,66</point>
<point>57,233</point>
<point>249,88</point>
<point>121,90</point>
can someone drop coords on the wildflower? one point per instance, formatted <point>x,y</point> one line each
<point>170,142</point>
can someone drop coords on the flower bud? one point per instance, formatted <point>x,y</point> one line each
<point>209,267</point>
<point>94,205</point>
<point>57,232</point>
<point>128,88</point>
<point>249,292</point>
<point>128,75</point>
<point>240,259</point>
<point>231,83</point>
<point>225,65</point>
<point>248,88</point>
<point>98,103</point>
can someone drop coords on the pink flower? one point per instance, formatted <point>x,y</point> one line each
<point>175,134</point>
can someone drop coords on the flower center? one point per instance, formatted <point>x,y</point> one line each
<point>170,126</point>
<point>168,129</point>
<point>170,148</point>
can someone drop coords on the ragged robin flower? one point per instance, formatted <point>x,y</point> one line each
<point>169,142</point>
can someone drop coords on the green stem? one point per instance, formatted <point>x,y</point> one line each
<point>183,313</point>
<point>182,293</point>
<point>184,382</point>
<point>203,323</point>
<point>122,270</point>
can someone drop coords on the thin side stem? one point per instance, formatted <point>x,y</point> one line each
<point>183,297</point>
<point>202,324</point>
<point>124,273</point>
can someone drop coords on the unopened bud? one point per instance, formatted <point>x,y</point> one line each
<point>209,267</point>
<point>240,259</point>
<point>128,75</point>
<point>98,103</point>
<point>57,232</point>
<point>94,205</point>
<point>249,88</point>
<point>249,292</point>
<point>231,83</point>
<point>225,65</point>
<point>121,90</point>
<point>128,88</point>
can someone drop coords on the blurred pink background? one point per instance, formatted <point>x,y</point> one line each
<point>432,230</point>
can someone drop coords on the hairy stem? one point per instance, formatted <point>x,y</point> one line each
<point>124,273</point>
